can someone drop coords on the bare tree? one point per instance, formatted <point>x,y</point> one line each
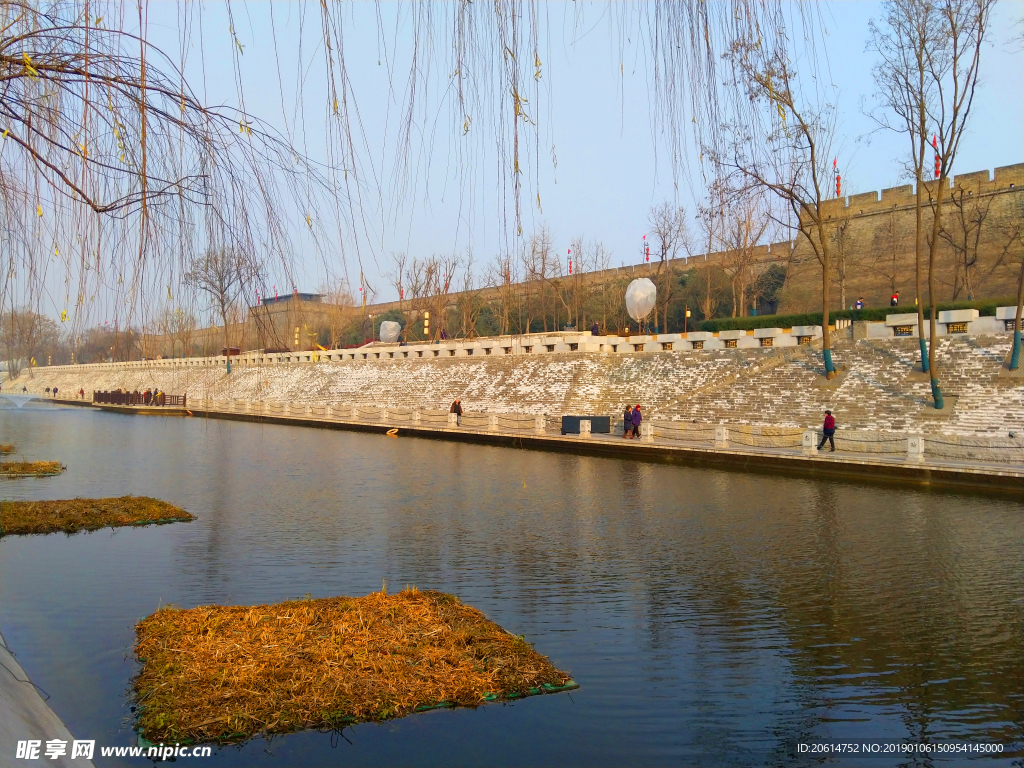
<point>962,231</point>
<point>841,241</point>
<point>469,302</point>
<point>178,325</point>
<point>712,224</point>
<point>438,273</point>
<point>671,234</point>
<point>908,36</point>
<point>220,274</point>
<point>744,223</point>
<point>889,246</point>
<point>785,151</point>
<point>953,69</point>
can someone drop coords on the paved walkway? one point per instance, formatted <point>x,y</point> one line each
<point>24,715</point>
<point>993,476</point>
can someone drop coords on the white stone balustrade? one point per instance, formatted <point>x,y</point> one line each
<point>721,436</point>
<point>915,448</point>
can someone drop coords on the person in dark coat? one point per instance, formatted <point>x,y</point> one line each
<point>828,432</point>
<point>627,422</point>
<point>595,330</point>
<point>637,418</point>
<point>457,410</point>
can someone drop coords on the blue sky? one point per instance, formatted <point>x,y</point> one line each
<point>612,165</point>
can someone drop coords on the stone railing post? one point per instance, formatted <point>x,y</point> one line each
<point>383,413</point>
<point>721,436</point>
<point>538,424</point>
<point>415,415</point>
<point>453,419</point>
<point>355,413</point>
<point>647,432</point>
<point>584,428</point>
<point>308,410</point>
<point>915,448</point>
<point>492,422</point>
<point>809,444</point>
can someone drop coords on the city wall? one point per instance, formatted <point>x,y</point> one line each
<point>871,234</point>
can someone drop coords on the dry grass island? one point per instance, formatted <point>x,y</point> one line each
<point>224,674</point>
<point>31,468</point>
<point>73,515</point>
<point>7,448</point>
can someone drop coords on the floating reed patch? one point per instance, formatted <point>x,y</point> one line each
<point>224,674</point>
<point>72,515</point>
<point>7,448</point>
<point>31,468</point>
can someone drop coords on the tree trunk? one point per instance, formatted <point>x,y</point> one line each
<point>918,247</point>
<point>1015,355</point>
<point>937,398</point>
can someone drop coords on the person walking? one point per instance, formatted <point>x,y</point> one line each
<point>637,418</point>
<point>627,423</point>
<point>54,393</point>
<point>895,300</point>
<point>595,330</point>
<point>457,410</point>
<point>859,304</point>
<point>828,432</point>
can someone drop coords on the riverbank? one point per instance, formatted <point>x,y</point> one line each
<point>916,469</point>
<point>25,715</point>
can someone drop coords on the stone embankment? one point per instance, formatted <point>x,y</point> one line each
<point>747,402</point>
<point>880,389</point>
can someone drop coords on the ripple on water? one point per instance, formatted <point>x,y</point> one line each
<point>711,617</point>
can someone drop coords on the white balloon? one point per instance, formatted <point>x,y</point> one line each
<point>390,331</point>
<point>640,297</point>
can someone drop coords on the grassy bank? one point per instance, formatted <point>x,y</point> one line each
<point>73,515</point>
<point>31,468</point>
<point>227,673</point>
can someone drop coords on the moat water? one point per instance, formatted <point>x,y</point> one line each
<point>710,617</point>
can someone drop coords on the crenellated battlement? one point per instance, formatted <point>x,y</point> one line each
<point>1008,178</point>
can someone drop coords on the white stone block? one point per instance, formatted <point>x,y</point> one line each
<point>453,419</point>
<point>906,318</point>
<point>915,448</point>
<point>584,427</point>
<point>1006,313</point>
<point>731,334</point>
<point>647,432</point>
<point>699,336</point>
<point>383,413</point>
<point>721,436</point>
<point>813,331</point>
<point>810,442</point>
<point>415,416</point>
<point>958,315</point>
<point>987,325</point>
<point>538,423</point>
<point>492,422</point>
<point>763,333</point>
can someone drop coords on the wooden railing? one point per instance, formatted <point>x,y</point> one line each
<point>159,400</point>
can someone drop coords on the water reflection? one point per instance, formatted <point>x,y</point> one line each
<point>711,617</point>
